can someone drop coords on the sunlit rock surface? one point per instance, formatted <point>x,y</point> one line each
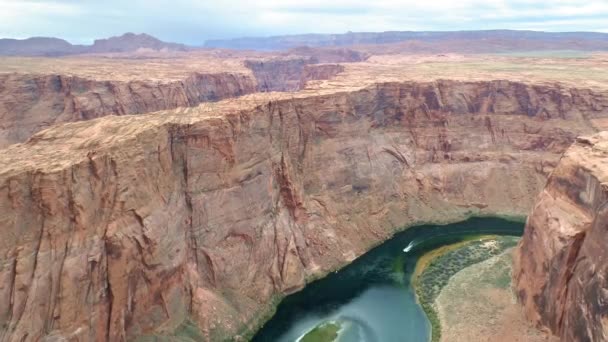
<point>129,225</point>
<point>560,270</point>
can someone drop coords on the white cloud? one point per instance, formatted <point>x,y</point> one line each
<point>21,11</point>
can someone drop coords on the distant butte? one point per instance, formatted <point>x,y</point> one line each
<point>43,46</point>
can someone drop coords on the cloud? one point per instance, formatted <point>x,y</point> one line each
<point>17,14</point>
<point>193,21</point>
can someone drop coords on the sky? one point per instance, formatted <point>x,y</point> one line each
<point>194,21</point>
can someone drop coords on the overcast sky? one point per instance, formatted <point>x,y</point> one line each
<point>194,21</point>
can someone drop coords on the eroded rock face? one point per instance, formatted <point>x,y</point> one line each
<point>560,273</point>
<point>330,54</point>
<point>127,225</point>
<point>279,74</point>
<point>318,72</point>
<point>291,73</point>
<point>30,103</point>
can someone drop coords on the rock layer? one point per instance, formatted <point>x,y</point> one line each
<point>561,273</point>
<point>279,74</point>
<point>319,72</point>
<point>30,103</point>
<point>128,225</point>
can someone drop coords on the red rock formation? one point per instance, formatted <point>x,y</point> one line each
<point>127,225</point>
<point>330,54</point>
<point>30,103</point>
<point>279,74</point>
<point>290,73</point>
<point>317,72</point>
<point>560,271</point>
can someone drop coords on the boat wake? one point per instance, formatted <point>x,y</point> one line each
<point>409,247</point>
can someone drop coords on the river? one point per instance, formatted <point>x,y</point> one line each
<point>372,299</point>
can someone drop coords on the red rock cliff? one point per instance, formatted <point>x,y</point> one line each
<point>30,103</point>
<point>561,273</point>
<point>128,225</point>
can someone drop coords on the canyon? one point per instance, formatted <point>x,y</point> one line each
<point>32,97</point>
<point>124,226</point>
<point>151,192</point>
<point>36,93</point>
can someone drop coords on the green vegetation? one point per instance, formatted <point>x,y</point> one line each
<point>188,331</point>
<point>438,271</point>
<point>262,318</point>
<point>324,332</point>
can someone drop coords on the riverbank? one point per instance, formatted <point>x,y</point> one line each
<point>435,268</point>
<point>478,304</point>
<point>373,298</point>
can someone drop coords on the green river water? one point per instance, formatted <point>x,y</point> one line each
<point>372,299</point>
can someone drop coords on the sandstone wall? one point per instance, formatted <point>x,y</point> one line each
<point>292,73</point>
<point>560,271</point>
<point>30,103</point>
<point>127,225</point>
<point>279,74</point>
<point>317,72</point>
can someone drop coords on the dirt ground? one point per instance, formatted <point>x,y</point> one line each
<point>479,305</point>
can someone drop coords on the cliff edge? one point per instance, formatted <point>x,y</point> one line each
<point>560,270</point>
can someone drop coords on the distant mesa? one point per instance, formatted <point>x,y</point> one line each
<point>49,47</point>
<point>38,46</point>
<point>130,42</point>
<point>334,47</point>
<point>429,42</point>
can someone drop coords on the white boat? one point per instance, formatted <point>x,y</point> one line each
<point>409,247</point>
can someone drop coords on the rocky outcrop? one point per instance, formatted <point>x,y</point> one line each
<point>30,103</point>
<point>330,55</point>
<point>128,225</point>
<point>318,72</point>
<point>290,73</point>
<point>279,74</point>
<point>560,271</point>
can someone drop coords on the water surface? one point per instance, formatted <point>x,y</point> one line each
<point>372,298</point>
